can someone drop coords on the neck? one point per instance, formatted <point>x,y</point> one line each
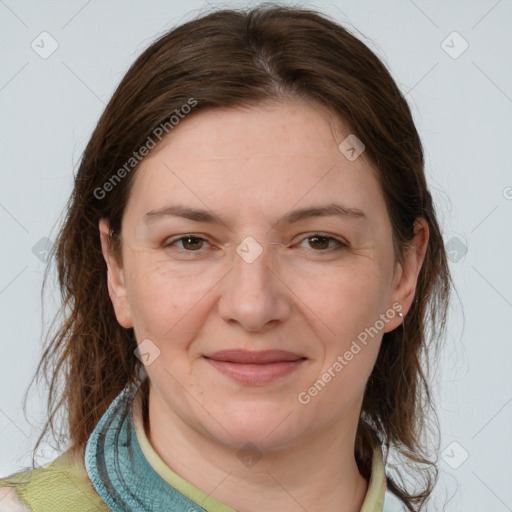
<point>320,473</point>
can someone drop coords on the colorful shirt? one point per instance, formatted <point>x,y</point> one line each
<point>122,472</point>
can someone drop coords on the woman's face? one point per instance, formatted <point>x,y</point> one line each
<point>258,273</point>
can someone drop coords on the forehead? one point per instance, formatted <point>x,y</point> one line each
<point>275,155</point>
<point>270,129</point>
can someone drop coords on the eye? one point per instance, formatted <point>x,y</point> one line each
<point>190,243</point>
<point>324,243</point>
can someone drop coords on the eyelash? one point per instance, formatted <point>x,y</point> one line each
<point>340,244</point>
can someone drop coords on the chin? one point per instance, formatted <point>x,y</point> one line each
<point>267,426</point>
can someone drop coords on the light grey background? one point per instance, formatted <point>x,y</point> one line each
<point>462,105</point>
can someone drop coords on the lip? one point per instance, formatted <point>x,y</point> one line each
<point>255,368</point>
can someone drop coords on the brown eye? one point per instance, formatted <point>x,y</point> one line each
<point>191,243</point>
<point>319,242</point>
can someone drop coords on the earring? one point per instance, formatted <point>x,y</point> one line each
<point>401,315</point>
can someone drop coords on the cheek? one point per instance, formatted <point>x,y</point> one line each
<point>347,305</point>
<point>165,301</point>
<point>346,299</point>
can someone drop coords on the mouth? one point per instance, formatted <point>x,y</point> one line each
<point>255,368</point>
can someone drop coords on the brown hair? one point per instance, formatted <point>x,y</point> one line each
<point>236,58</point>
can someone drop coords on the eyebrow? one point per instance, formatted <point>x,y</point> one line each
<point>200,215</point>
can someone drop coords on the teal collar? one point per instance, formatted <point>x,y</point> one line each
<point>117,468</point>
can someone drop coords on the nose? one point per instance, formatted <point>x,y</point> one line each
<point>253,294</point>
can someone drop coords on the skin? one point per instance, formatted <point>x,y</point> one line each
<point>251,166</point>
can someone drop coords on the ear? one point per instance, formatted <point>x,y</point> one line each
<point>115,278</point>
<point>406,275</point>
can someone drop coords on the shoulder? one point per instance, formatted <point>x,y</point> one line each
<point>59,485</point>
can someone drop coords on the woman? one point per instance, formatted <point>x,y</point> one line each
<point>250,263</point>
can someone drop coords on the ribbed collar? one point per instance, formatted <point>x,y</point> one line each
<point>129,475</point>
